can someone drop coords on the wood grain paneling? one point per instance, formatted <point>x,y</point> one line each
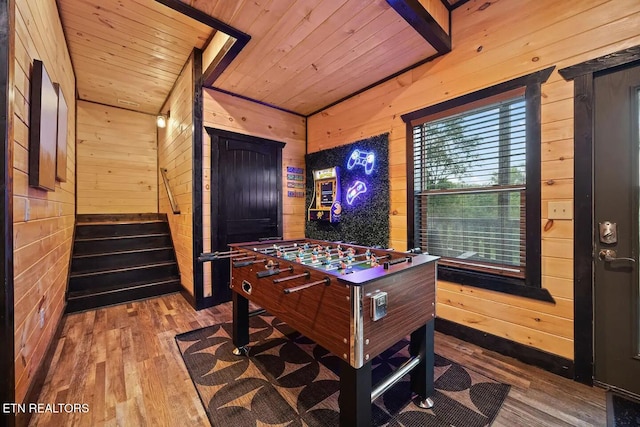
<point>128,54</point>
<point>117,160</point>
<point>494,42</point>
<point>319,312</point>
<point>438,11</point>
<point>411,304</point>
<point>304,55</point>
<point>43,221</point>
<point>175,154</point>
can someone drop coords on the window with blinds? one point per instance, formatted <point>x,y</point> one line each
<point>469,187</point>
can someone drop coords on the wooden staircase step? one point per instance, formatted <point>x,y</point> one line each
<point>86,300</point>
<point>94,218</point>
<point>124,276</point>
<point>120,259</point>
<point>97,245</point>
<point>115,229</point>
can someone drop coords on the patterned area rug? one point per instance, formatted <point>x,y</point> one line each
<point>290,381</point>
<point>622,411</point>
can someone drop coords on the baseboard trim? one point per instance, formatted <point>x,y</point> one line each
<point>205,303</point>
<point>187,295</point>
<point>33,392</point>
<point>529,355</point>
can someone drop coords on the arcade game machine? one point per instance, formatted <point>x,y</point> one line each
<point>325,203</point>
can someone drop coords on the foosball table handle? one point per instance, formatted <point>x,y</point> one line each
<point>237,264</point>
<point>273,272</point>
<point>326,281</point>
<point>214,256</point>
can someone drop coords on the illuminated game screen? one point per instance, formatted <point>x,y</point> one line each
<point>326,194</point>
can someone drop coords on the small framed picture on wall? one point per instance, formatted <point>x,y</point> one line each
<point>43,129</point>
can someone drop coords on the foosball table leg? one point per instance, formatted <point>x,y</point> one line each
<point>240,324</point>
<point>422,375</point>
<point>355,395</point>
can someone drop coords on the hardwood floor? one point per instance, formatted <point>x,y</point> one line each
<point>123,362</point>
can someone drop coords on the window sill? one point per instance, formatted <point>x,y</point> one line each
<point>506,285</point>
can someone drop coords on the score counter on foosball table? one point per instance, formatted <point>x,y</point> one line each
<point>353,300</point>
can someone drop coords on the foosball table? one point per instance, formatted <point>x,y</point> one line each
<point>353,300</point>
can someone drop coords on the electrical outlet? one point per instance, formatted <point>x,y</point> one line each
<point>560,210</point>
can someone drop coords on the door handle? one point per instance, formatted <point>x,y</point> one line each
<point>609,255</point>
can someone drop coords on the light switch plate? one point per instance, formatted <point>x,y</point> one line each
<point>560,210</point>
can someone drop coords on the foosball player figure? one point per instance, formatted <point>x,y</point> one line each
<point>269,265</point>
<point>373,261</point>
<point>298,259</point>
<point>367,254</point>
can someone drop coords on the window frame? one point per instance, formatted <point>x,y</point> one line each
<point>531,286</point>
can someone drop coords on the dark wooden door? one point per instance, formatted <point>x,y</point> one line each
<point>247,177</point>
<point>616,181</point>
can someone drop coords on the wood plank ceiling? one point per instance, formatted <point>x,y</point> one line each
<point>128,53</point>
<point>303,54</point>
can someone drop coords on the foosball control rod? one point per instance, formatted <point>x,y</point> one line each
<point>281,248</point>
<point>273,272</point>
<point>295,250</point>
<point>271,250</point>
<point>213,256</point>
<point>244,258</point>
<point>326,281</point>
<point>306,275</point>
<point>320,256</point>
<point>396,261</point>
<point>359,262</point>
<point>237,264</point>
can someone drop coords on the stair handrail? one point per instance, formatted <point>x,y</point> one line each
<point>172,201</point>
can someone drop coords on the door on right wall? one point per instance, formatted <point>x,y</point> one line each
<point>616,221</point>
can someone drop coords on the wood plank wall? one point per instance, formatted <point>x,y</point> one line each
<point>214,48</point>
<point>439,13</point>
<point>494,42</point>
<point>175,153</point>
<point>226,112</point>
<point>117,160</point>
<point>43,221</point>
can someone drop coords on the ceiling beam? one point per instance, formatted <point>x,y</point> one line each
<point>424,23</point>
<point>220,64</point>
